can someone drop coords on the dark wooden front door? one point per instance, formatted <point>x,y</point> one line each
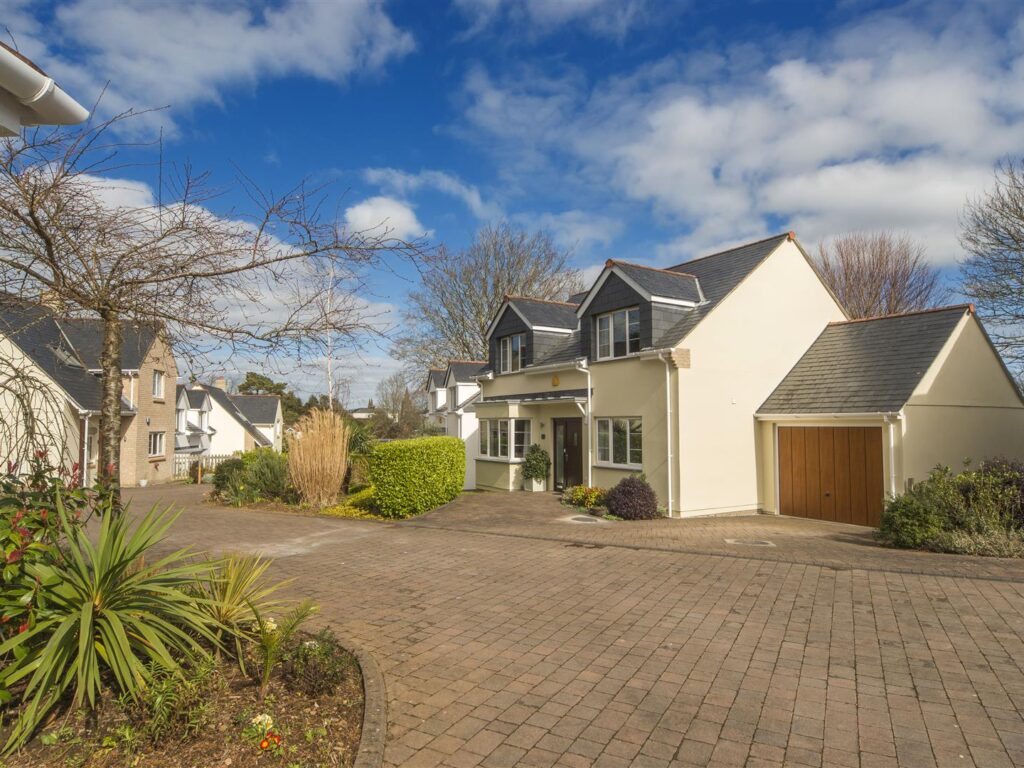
<point>568,452</point>
<point>831,473</point>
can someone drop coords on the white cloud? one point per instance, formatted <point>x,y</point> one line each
<point>606,18</point>
<point>578,229</point>
<point>384,216</point>
<point>403,183</point>
<point>187,53</point>
<point>890,123</point>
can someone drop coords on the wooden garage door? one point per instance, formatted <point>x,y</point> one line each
<point>831,473</point>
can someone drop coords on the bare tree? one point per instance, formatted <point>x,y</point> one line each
<point>448,317</point>
<point>390,393</point>
<point>992,234</point>
<point>238,280</point>
<point>879,273</point>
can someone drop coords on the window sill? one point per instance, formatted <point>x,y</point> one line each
<point>624,467</point>
<point>156,459</point>
<point>499,460</point>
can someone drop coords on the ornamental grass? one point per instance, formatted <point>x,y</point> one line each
<point>318,457</point>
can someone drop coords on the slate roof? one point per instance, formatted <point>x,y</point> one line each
<point>865,366</point>
<point>567,350</point>
<point>718,273</point>
<point>36,332</point>
<point>224,401</point>
<point>435,376</point>
<point>259,409</point>
<point>87,336</point>
<point>553,314</point>
<point>196,397</point>
<point>577,298</point>
<point>669,283</point>
<point>465,370</point>
<point>555,394</point>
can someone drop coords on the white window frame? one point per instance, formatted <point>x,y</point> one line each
<point>505,349</point>
<point>160,445</point>
<point>181,420</point>
<point>605,440</point>
<point>490,445</point>
<point>158,384</point>
<point>609,332</point>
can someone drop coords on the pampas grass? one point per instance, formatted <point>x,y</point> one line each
<point>318,457</point>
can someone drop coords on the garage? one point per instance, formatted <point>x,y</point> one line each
<point>876,404</point>
<point>831,473</point>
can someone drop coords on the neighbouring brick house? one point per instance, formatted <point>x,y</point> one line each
<point>149,375</point>
<point>63,357</point>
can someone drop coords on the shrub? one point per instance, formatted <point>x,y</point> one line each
<point>364,499</point>
<point>584,496</point>
<point>174,703</point>
<point>413,476</point>
<point>318,457</point>
<point>228,473</point>
<point>103,614</point>
<point>537,463</point>
<point>632,498</point>
<point>317,666</point>
<point>911,520</point>
<point>266,473</point>
<point>974,512</point>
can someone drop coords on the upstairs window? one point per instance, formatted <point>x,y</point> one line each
<point>181,419</point>
<point>453,401</point>
<point>158,385</point>
<point>618,333</point>
<point>511,351</point>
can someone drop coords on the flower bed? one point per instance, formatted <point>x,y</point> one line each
<point>223,726</point>
<point>113,652</point>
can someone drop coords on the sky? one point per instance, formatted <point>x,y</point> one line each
<point>630,129</point>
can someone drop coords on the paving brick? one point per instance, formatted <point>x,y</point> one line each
<point>504,643</point>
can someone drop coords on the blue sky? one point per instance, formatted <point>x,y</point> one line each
<point>646,131</point>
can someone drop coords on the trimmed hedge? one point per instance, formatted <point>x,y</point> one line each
<point>413,476</point>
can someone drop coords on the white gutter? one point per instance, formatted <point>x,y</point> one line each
<point>668,424</point>
<point>581,366</point>
<point>43,102</point>
<point>804,416</point>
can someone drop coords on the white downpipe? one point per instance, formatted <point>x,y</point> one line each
<point>45,102</point>
<point>668,425</point>
<point>582,367</point>
<point>891,423</point>
<point>85,454</point>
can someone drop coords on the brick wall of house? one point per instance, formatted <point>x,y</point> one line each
<point>136,463</point>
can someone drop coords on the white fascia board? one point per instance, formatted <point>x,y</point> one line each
<point>551,329</point>
<point>497,317</point>
<point>828,416</point>
<point>673,302</point>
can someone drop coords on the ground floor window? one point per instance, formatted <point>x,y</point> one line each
<point>156,443</point>
<point>494,437</point>
<point>620,441</point>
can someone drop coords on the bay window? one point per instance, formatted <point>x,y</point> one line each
<point>494,438</point>
<point>618,333</point>
<point>511,353</point>
<point>620,441</point>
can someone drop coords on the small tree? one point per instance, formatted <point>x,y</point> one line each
<point>447,318</point>
<point>879,274</point>
<point>992,234</point>
<point>240,280</point>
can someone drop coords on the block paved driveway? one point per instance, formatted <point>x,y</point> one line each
<point>509,635</point>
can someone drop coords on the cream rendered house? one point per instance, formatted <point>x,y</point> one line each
<point>437,399</point>
<point>683,374</point>
<point>231,431</point>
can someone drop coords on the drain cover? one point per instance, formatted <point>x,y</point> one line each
<point>582,519</point>
<point>750,542</point>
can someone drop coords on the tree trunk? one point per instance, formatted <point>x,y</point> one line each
<point>110,408</point>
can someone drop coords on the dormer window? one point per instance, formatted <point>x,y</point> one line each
<point>511,350</point>
<point>618,333</point>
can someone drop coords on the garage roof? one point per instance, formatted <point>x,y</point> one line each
<point>871,365</point>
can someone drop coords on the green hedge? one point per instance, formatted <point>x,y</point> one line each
<point>413,476</point>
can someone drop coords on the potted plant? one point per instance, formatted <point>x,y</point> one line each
<point>536,465</point>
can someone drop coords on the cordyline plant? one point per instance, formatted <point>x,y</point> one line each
<point>76,235</point>
<point>102,614</point>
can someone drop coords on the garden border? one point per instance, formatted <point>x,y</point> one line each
<point>374,730</point>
